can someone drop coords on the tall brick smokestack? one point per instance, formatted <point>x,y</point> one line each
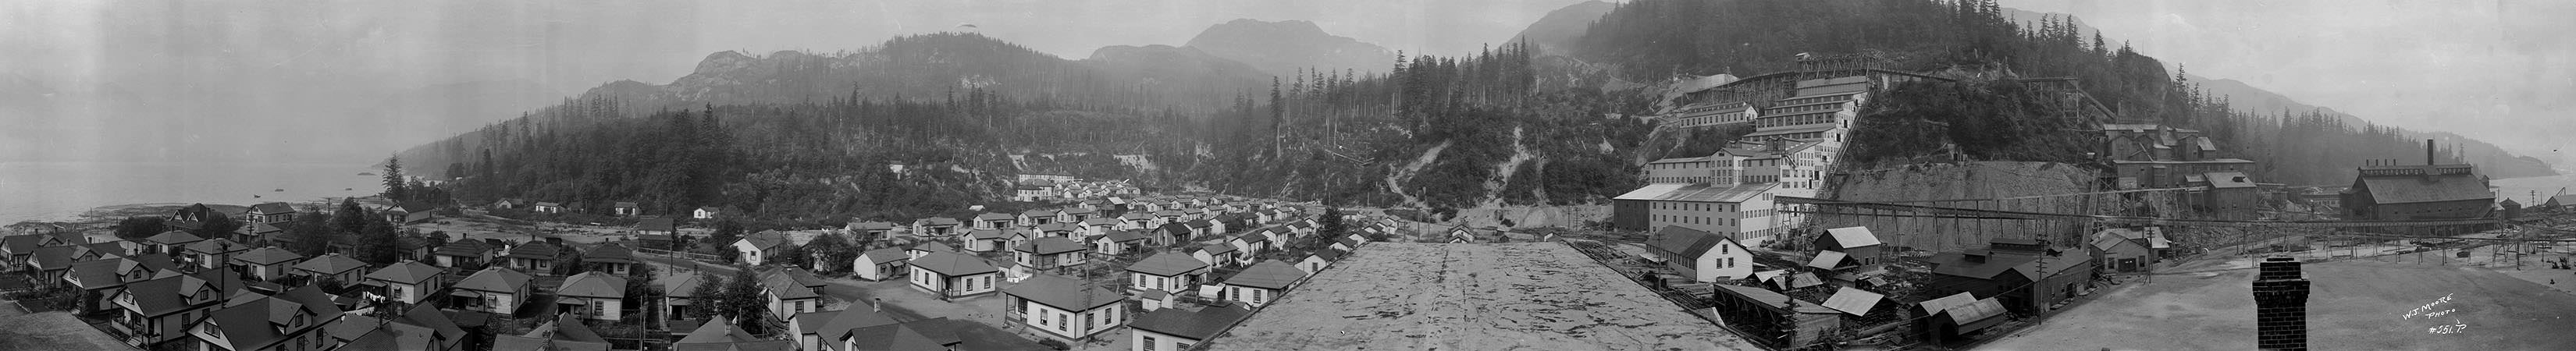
<point>2280,306</point>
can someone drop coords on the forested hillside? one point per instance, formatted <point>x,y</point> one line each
<point>1649,40</point>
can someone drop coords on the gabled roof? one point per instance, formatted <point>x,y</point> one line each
<point>933,246</point>
<point>535,250</point>
<point>408,272</point>
<point>1253,238</point>
<point>936,221</point>
<point>1063,293</point>
<point>216,246</point>
<point>593,284</point>
<point>871,225</point>
<point>766,240</point>
<point>1694,192</point>
<point>1167,264</point>
<point>1216,249</point>
<point>1049,246</point>
<point>1100,221</point>
<point>500,279</point>
<point>23,244</point>
<point>884,255</point>
<point>53,257</point>
<point>1135,215</point>
<point>785,287</point>
<point>1193,323</point>
<point>1827,259</point>
<point>1687,242</point>
<point>2228,180</point>
<point>952,264</point>
<point>654,224</point>
<point>1120,236</point>
<point>984,234</point>
<point>174,237</point>
<point>1175,229</point>
<point>989,216</point>
<point>1852,237</point>
<point>832,326</point>
<point>331,264</point>
<point>1853,301</point>
<point>610,253</point>
<point>1058,227</point>
<point>167,294</point>
<point>464,248</point>
<point>679,284</point>
<point>1267,275</point>
<point>1327,255</point>
<point>249,324</point>
<point>2422,189</point>
<point>272,208</point>
<point>267,255</point>
<point>1201,223</point>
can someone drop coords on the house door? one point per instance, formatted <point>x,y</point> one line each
<point>2128,265</point>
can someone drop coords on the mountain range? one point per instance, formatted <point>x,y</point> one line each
<point>1281,48</point>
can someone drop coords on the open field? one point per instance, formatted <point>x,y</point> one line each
<point>2356,305</point>
<point>1519,296</point>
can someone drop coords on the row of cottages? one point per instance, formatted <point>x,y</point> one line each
<point>592,295</point>
<point>951,275</point>
<point>1064,308</point>
<point>497,290</point>
<point>1702,256</point>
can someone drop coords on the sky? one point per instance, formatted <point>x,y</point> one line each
<point>341,81</point>
<point>2503,71</point>
<point>349,81</point>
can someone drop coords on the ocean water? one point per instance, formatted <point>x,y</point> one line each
<point>64,190</point>
<point>2521,190</point>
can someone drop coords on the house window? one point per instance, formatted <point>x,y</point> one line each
<point>1147,343</point>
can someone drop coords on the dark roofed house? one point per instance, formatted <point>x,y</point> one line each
<point>880,264</point>
<point>1049,253</point>
<point>1179,328</point>
<point>267,263</point>
<point>534,256</point>
<point>953,275</point>
<point>935,227</point>
<point>1700,255</point>
<point>722,335</point>
<point>409,281</point>
<point>869,230</point>
<point>564,333</point>
<point>271,213</point>
<point>592,295</point>
<point>1261,283</point>
<point>496,290</point>
<point>170,242</point>
<point>158,311</point>
<point>759,248</point>
<point>1064,308</point>
<point>251,322</point>
<point>1170,272</point>
<point>612,258</point>
<point>462,253</point>
<point>333,269</point>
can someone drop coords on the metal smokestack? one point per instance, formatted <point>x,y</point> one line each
<point>2428,152</point>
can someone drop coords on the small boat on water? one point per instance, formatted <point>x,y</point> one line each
<point>366,173</point>
<point>281,190</point>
